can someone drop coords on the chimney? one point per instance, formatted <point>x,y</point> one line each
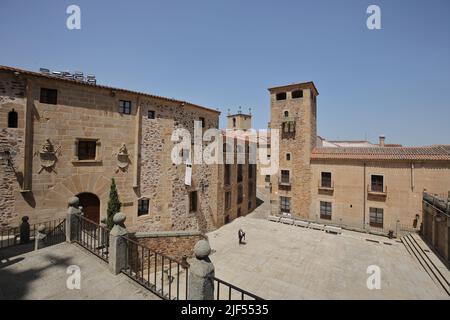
<point>382,139</point>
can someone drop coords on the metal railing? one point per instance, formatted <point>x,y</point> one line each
<point>56,235</point>
<point>93,237</point>
<point>162,275</point>
<point>11,236</point>
<point>231,292</point>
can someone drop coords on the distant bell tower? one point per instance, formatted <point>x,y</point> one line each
<point>293,113</point>
<point>239,121</point>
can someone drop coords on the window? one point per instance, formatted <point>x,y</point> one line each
<point>143,206</point>
<point>234,122</point>
<point>193,201</point>
<point>125,107</point>
<point>87,149</point>
<point>285,204</point>
<point>49,96</point>
<point>297,94</point>
<point>267,179</point>
<point>13,119</point>
<point>239,173</point>
<point>151,114</point>
<point>285,176</point>
<point>251,169</point>
<point>286,114</point>
<point>202,121</point>
<point>326,179</point>
<point>376,217</point>
<point>325,210</point>
<point>240,194</point>
<point>228,200</point>
<point>281,96</point>
<point>377,183</point>
<point>288,156</point>
<point>227,174</point>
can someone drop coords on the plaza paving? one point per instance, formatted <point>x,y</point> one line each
<point>288,262</point>
<point>42,275</point>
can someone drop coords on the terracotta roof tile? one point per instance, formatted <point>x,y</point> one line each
<point>435,152</point>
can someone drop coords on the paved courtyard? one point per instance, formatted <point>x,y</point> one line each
<point>42,275</point>
<point>288,262</point>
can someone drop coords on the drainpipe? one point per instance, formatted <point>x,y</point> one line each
<point>364,198</point>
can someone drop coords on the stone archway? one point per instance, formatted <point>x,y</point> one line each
<point>91,206</point>
<point>96,184</point>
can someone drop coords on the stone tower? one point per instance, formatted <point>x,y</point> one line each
<point>239,121</point>
<point>293,113</point>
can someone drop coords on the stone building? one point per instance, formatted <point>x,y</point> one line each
<point>373,187</point>
<point>239,170</point>
<point>62,137</point>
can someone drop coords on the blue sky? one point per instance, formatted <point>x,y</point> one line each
<point>225,54</point>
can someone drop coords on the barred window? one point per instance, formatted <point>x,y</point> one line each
<point>285,204</point>
<point>326,179</point>
<point>325,210</point>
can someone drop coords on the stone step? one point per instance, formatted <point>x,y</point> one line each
<point>423,259</point>
<point>441,270</point>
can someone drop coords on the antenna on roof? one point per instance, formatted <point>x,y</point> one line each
<point>250,111</point>
<point>229,113</point>
<point>240,110</point>
<point>76,75</point>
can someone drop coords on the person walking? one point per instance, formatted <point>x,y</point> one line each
<point>241,235</point>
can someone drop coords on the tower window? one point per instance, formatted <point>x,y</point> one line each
<point>281,96</point>
<point>203,121</point>
<point>193,201</point>
<point>286,114</point>
<point>151,114</point>
<point>297,94</point>
<point>234,122</point>
<point>288,156</point>
<point>12,119</point>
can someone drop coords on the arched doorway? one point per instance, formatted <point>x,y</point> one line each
<point>91,206</point>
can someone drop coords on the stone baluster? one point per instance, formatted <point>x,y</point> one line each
<point>39,238</point>
<point>201,273</point>
<point>117,244</point>
<point>73,219</point>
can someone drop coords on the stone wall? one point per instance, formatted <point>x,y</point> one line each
<point>436,228</point>
<point>12,91</point>
<point>172,246</point>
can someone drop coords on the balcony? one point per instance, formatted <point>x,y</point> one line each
<point>376,190</point>
<point>325,185</point>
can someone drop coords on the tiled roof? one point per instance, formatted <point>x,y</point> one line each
<point>435,152</point>
<point>42,75</point>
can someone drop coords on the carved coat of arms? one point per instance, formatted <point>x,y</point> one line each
<point>123,158</point>
<point>48,156</point>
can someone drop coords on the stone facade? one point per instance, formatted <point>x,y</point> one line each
<point>135,149</point>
